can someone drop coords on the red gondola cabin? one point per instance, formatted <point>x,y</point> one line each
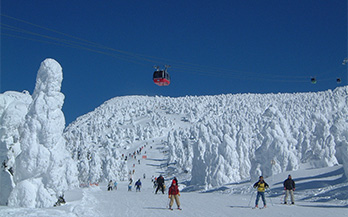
<point>161,77</point>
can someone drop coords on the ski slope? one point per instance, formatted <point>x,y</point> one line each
<point>215,145</point>
<point>234,199</point>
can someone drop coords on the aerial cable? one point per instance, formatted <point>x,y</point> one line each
<point>198,69</point>
<point>136,58</point>
<point>184,65</point>
<point>77,38</point>
<point>68,43</point>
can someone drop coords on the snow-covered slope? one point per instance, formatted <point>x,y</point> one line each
<point>216,139</point>
<point>209,141</point>
<point>319,193</point>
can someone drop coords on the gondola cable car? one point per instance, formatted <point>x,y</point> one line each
<point>161,77</point>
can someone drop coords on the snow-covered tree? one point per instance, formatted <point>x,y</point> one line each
<point>44,169</point>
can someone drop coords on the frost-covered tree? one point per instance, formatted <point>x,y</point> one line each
<point>276,152</point>
<point>13,108</point>
<point>44,169</point>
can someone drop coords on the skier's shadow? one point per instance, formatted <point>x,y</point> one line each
<point>155,208</point>
<point>245,207</point>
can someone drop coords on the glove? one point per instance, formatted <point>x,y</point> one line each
<point>169,196</point>
<point>179,194</point>
<point>294,189</point>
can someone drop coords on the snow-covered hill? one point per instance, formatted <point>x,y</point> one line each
<point>216,139</point>
<point>209,142</point>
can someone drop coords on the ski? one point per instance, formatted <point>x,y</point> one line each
<point>255,207</point>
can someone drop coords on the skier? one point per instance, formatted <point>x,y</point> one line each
<point>160,183</point>
<point>289,187</point>
<point>115,185</point>
<point>261,185</point>
<point>154,181</point>
<point>174,194</point>
<point>138,185</point>
<point>110,185</point>
<point>60,201</point>
<point>130,186</point>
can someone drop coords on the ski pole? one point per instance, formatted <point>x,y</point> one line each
<point>167,205</point>
<point>251,198</point>
<point>270,197</point>
<point>282,199</point>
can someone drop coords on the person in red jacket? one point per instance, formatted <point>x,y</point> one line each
<point>174,194</point>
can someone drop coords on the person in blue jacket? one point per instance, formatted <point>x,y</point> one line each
<point>138,185</point>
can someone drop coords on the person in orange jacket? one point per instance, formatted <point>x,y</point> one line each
<point>174,194</point>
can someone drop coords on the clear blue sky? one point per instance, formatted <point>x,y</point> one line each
<point>214,47</point>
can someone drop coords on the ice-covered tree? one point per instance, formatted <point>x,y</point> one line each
<point>13,108</point>
<point>44,169</point>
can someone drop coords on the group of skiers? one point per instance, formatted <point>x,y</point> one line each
<point>112,185</point>
<point>137,185</point>
<point>174,193</point>
<point>261,185</point>
<point>134,154</point>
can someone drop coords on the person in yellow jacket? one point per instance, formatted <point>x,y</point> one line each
<point>261,186</point>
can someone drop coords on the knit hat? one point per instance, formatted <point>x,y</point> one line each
<point>174,181</point>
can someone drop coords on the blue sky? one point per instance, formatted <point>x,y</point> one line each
<point>213,47</point>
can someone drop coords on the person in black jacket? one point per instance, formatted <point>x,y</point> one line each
<point>160,182</point>
<point>289,187</point>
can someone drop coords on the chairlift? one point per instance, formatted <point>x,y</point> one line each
<point>161,77</point>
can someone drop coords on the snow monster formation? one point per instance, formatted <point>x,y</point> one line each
<point>13,108</point>
<point>43,170</point>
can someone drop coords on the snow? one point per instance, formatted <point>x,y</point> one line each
<point>216,146</point>
<point>97,201</point>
